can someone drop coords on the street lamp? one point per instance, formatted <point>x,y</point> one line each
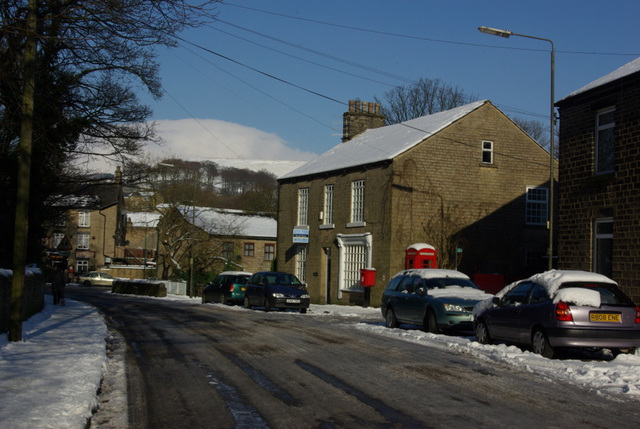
<point>506,34</point>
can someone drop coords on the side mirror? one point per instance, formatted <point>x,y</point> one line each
<point>496,300</point>
<point>421,292</point>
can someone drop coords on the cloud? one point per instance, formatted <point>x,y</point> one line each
<point>200,139</point>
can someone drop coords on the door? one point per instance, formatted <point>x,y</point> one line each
<point>504,319</point>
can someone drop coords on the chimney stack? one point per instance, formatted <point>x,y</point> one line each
<point>361,116</point>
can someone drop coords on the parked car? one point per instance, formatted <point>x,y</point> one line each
<point>95,278</point>
<point>228,288</point>
<point>270,289</point>
<point>436,299</point>
<point>557,309</point>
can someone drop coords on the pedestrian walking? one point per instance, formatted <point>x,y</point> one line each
<point>57,285</point>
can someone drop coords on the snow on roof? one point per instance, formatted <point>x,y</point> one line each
<point>230,222</point>
<point>625,70</point>
<point>382,144</point>
<point>143,219</point>
<point>430,273</point>
<point>551,280</point>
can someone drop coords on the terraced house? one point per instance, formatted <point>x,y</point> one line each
<point>599,178</point>
<point>467,181</point>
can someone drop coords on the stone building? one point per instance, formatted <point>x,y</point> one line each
<point>92,228</point>
<point>216,239</point>
<point>598,225</point>
<point>467,181</point>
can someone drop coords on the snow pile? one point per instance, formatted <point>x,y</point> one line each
<point>578,296</point>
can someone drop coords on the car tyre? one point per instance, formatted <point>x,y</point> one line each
<point>482,332</point>
<point>267,304</point>
<point>87,283</point>
<point>432,324</point>
<point>247,305</point>
<point>223,299</point>
<point>540,344</point>
<point>303,310</point>
<point>390,319</point>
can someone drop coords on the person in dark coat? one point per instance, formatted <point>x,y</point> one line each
<point>57,285</point>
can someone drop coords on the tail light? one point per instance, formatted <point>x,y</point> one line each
<point>563,312</point>
<point>637,314</point>
<point>231,287</point>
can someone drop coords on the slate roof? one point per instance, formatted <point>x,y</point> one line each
<point>384,143</point>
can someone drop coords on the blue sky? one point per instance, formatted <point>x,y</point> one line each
<point>220,103</point>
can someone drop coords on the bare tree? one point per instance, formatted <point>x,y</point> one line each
<point>424,97</point>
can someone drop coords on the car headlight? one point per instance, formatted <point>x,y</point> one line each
<point>453,307</point>
<point>306,295</point>
<point>277,295</point>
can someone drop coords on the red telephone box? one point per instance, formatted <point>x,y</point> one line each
<point>420,255</point>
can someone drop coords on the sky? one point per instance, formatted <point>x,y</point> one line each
<point>50,379</point>
<point>271,80</point>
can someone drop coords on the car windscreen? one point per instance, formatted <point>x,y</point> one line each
<point>443,282</point>
<point>283,279</point>
<point>609,294</point>
<point>241,280</point>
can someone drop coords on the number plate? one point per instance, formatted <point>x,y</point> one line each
<point>293,301</point>
<point>605,317</point>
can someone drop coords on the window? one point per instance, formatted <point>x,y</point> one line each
<point>301,263</point>
<point>487,152</point>
<point>355,254</point>
<point>56,239</point>
<point>303,206</point>
<point>357,201</point>
<point>249,249</point>
<point>328,205</point>
<point>603,247</point>
<point>83,240</point>
<point>537,207</point>
<point>82,266</point>
<point>227,250</point>
<point>605,140</point>
<point>269,252</point>
<point>83,218</point>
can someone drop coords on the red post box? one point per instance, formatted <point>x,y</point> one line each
<point>367,277</point>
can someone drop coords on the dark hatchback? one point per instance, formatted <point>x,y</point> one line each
<point>271,289</point>
<point>560,309</point>
<point>228,288</point>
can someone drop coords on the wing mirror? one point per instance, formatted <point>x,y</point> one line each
<point>496,301</point>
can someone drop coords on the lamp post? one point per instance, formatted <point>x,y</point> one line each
<point>506,34</point>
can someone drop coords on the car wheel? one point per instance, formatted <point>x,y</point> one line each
<point>267,304</point>
<point>223,299</point>
<point>303,310</point>
<point>390,319</point>
<point>246,302</point>
<point>87,283</point>
<point>432,324</point>
<point>482,332</point>
<point>540,344</point>
<point>204,299</point>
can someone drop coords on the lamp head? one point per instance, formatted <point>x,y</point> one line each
<point>495,31</point>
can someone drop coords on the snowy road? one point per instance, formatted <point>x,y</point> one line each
<point>216,366</point>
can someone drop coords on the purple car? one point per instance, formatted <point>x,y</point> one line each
<point>560,309</point>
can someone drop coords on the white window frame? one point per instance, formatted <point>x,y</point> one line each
<point>84,218</point>
<point>354,253</point>
<point>82,266</point>
<point>303,206</point>
<point>598,238</point>
<point>327,218</point>
<point>301,262</point>
<point>601,129</point>
<point>535,207</point>
<point>83,240</point>
<point>357,203</point>
<point>487,148</point>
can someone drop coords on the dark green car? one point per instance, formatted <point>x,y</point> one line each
<point>228,288</point>
<point>437,300</point>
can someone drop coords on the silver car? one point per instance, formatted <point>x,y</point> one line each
<point>560,309</point>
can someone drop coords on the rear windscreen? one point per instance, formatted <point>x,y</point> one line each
<point>609,294</point>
